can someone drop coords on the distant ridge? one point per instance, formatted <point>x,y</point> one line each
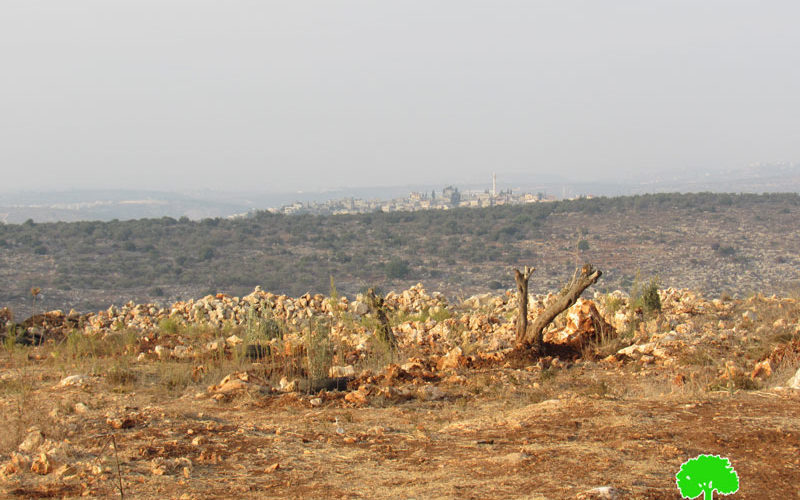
<point>110,204</point>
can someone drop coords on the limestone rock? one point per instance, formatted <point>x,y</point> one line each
<point>358,307</point>
<point>584,324</point>
<point>794,382</point>
<point>66,470</point>
<point>181,352</point>
<point>121,422</point>
<point>452,360</point>
<point>479,301</point>
<point>358,397</point>
<point>233,341</point>
<point>762,369</point>
<point>161,466</point>
<point>342,371</point>
<point>285,385</point>
<point>42,464</point>
<point>602,493</point>
<point>32,441</point>
<point>430,393</point>
<point>215,344</point>
<point>233,382</point>
<point>74,380</point>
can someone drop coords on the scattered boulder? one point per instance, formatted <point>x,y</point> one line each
<point>122,421</point>
<point>234,382</point>
<point>430,393</point>
<point>161,466</point>
<point>42,464</point>
<point>359,397</point>
<point>749,317</point>
<point>215,344</point>
<point>794,382</point>
<point>358,307</point>
<point>285,385</point>
<point>584,324</point>
<point>342,371</point>
<point>182,351</point>
<point>233,341</point>
<point>32,441</point>
<point>74,380</point>
<point>479,301</point>
<point>452,360</point>
<point>602,493</point>
<point>763,369</point>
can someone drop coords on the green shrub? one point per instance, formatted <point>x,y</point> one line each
<point>120,374</point>
<point>168,325</point>
<point>397,269</point>
<point>644,295</point>
<point>264,326</point>
<point>319,352</point>
<point>612,305</point>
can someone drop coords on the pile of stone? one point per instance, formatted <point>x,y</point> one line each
<point>40,455</point>
<point>483,322</point>
<point>37,328</point>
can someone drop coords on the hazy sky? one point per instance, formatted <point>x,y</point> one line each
<point>293,94</point>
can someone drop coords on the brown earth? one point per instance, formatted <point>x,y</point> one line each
<point>451,418</point>
<point>488,437</point>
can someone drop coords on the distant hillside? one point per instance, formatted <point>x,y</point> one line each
<point>108,205</point>
<point>710,242</point>
<point>129,204</point>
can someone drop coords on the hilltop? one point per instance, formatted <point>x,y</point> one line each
<point>271,396</point>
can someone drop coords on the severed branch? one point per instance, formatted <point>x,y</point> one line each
<point>522,290</point>
<point>581,280</point>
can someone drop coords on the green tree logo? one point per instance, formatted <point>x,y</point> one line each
<point>706,474</point>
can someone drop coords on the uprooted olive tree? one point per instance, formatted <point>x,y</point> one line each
<point>529,337</point>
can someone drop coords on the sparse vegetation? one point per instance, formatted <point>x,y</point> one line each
<point>644,295</point>
<point>447,388</point>
<point>92,264</point>
<point>319,352</point>
<point>168,325</point>
<point>483,401</point>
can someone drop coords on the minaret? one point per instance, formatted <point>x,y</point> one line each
<point>494,185</point>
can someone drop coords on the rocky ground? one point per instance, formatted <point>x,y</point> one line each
<point>269,396</point>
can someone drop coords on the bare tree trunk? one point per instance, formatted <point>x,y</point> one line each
<point>522,291</point>
<point>378,308</point>
<point>581,280</point>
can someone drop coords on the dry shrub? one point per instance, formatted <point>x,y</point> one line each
<point>121,374</point>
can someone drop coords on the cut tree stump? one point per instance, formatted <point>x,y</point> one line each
<point>522,279</point>
<point>582,279</point>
